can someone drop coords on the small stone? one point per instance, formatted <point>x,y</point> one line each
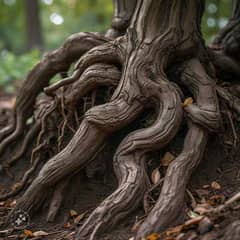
<point>205,225</point>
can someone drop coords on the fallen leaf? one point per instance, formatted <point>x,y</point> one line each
<point>215,200</point>
<point>187,101</point>
<point>167,159</point>
<point>67,225</point>
<point>28,233</point>
<point>155,176</point>
<point>40,234</point>
<point>215,185</point>
<point>153,236</point>
<point>192,214</point>
<point>79,218</point>
<point>73,213</point>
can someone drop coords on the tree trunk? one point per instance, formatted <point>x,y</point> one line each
<point>34,38</point>
<point>163,38</point>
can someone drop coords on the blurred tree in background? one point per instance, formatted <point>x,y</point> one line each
<point>57,20</point>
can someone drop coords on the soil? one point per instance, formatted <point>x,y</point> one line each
<point>215,180</point>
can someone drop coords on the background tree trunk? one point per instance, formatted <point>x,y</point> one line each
<point>34,36</point>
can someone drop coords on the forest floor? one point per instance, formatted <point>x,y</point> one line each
<point>216,180</point>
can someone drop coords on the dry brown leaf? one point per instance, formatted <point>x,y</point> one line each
<point>155,176</point>
<point>79,218</point>
<point>215,200</point>
<point>187,101</point>
<point>40,234</point>
<point>28,233</point>
<point>153,236</point>
<point>73,213</point>
<point>67,225</point>
<point>215,185</point>
<point>167,159</point>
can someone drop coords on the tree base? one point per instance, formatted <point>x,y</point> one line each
<point>165,71</point>
<point>86,192</point>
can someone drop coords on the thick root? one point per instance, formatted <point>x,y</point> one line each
<point>133,182</point>
<point>171,200</point>
<point>51,64</point>
<point>93,77</point>
<point>129,165</point>
<point>206,110</point>
<point>30,135</point>
<point>106,53</point>
<point>99,122</point>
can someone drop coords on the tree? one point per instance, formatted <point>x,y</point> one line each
<point>34,37</point>
<point>153,55</point>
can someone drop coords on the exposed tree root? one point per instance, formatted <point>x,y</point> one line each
<point>136,65</point>
<point>74,157</point>
<point>51,64</point>
<point>57,198</point>
<point>30,136</point>
<point>232,101</point>
<point>132,185</point>
<point>171,200</point>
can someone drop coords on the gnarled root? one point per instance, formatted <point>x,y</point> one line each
<point>133,182</point>
<point>94,76</point>
<point>129,163</point>
<point>30,135</point>
<point>171,200</point>
<point>106,53</point>
<point>99,122</point>
<point>52,63</point>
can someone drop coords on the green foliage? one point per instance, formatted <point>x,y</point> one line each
<point>215,17</point>
<point>78,16</point>
<point>13,67</point>
<point>61,18</point>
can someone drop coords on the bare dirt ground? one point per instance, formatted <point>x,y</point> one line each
<point>216,180</point>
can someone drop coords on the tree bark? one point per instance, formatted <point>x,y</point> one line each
<point>162,36</point>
